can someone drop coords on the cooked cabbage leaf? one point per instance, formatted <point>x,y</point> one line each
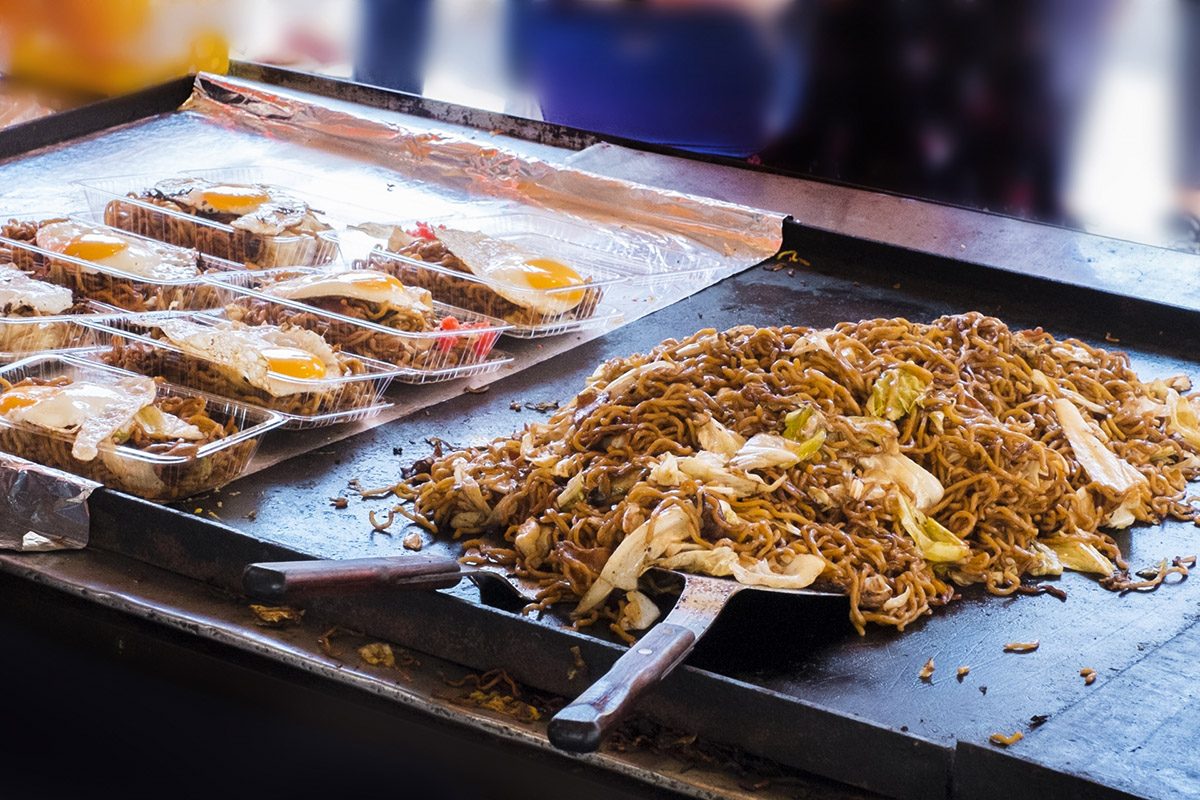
<point>899,470</point>
<point>716,438</point>
<point>935,541</point>
<point>897,391</point>
<point>1080,556</point>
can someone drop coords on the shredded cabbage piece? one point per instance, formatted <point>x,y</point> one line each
<point>715,437</point>
<point>571,492</point>
<point>639,613</point>
<point>1080,556</point>
<point>1048,562</point>
<point>934,540</point>
<point>805,427</point>
<point>897,391</point>
<point>635,554</point>
<point>1101,464</point>
<point>713,471</point>
<point>722,561</point>
<point>895,469</point>
<point>765,450</point>
<point>1184,419</point>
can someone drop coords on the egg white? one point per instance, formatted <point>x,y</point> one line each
<point>93,412</point>
<point>382,288</point>
<point>238,349</point>
<point>18,290</point>
<point>141,257</point>
<point>503,264</point>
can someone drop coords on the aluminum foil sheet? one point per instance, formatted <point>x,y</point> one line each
<point>706,231</point>
<point>373,165</point>
<point>42,508</point>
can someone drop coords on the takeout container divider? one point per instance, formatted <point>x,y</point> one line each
<point>153,476</point>
<point>25,336</point>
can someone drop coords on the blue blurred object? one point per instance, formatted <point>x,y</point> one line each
<point>707,80</point>
<point>392,44</point>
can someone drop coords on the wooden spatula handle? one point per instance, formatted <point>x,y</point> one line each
<point>583,725</point>
<point>281,581</point>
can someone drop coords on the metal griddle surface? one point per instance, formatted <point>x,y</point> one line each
<point>804,652</point>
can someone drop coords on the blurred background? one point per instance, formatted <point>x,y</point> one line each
<point>1070,112</point>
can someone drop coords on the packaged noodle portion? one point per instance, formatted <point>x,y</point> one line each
<point>371,314</point>
<point>254,224</point>
<point>281,367</point>
<point>35,315</point>
<point>129,432</point>
<point>538,294</point>
<point>108,266</point>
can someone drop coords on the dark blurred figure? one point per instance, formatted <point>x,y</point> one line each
<point>971,103</point>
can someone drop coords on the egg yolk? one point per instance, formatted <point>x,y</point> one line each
<point>292,362</point>
<point>543,273</point>
<point>234,198</point>
<point>372,281</point>
<point>95,246</point>
<point>26,396</point>
<point>11,401</point>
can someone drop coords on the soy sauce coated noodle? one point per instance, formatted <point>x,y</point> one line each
<point>987,426</point>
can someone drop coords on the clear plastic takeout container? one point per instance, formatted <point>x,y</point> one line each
<point>644,259</point>
<point>461,344</point>
<point>114,287</point>
<point>123,203</point>
<point>136,343</point>
<point>25,336</point>
<point>538,312</point>
<point>160,476</point>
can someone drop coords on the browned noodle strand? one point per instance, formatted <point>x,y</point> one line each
<point>984,428</point>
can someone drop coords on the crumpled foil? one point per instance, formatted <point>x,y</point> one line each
<point>42,508</point>
<point>706,232</point>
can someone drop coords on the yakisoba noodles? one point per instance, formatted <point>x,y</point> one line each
<point>885,459</point>
<point>153,276</point>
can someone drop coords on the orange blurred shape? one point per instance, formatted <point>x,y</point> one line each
<point>111,46</point>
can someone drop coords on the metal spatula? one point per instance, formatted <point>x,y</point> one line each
<point>583,725</point>
<point>286,581</point>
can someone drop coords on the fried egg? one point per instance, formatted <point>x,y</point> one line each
<point>276,360</point>
<point>211,199</point>
<point>109,248</point>
<point>359,284</point>
<point>259,209</point>
<point>18,292</point>
<point>518,275</point>
<point>93,412</point>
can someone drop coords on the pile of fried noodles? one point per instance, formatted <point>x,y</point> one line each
<point>888,460</point>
